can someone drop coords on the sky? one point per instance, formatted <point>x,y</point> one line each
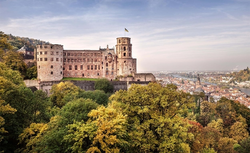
<point>166,35</point>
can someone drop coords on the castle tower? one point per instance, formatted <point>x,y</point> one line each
<point>49,62</point>
<point>126,65</point>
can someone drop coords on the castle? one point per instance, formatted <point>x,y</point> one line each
<point>54,63</point>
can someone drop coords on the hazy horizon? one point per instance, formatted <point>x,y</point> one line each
<point>167,35</point>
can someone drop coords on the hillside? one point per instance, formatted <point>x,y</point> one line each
<point>18,42</point>
<point>241,76</point>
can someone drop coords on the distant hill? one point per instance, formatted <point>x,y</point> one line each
<point>18,42</point>
<point>241,76</point>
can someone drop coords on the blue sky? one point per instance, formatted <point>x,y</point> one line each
<point>166,34</point>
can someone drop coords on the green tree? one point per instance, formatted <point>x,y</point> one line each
<point>243,146</point>
<point>105,85</point>
<point>31,72</point>
<point>3,110</point>
<point>154,120</point>
<point>50,136</point>
<point>98,96</point>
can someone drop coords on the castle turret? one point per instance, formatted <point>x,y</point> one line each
<point>126,65</point>
<point>49,62</point>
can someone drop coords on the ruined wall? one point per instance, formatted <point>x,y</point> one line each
<point>144,77</point>
<point>82,63</point>
<point>49,62</point>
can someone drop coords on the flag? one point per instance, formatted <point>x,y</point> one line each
<point>126,30</point>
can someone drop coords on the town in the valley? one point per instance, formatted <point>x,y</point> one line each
<point>212,91</point>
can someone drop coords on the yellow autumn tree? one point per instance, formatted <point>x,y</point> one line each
<point>238,131</point>
<point>61,90</point>
<point>106,131</point>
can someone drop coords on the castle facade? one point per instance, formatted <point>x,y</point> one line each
<point>54,63</point>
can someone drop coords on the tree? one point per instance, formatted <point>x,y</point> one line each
<point>218,125</point>
<point>3,110</point>
<point>62,90</point>
<point>154,118</point>
<point>226,145</point>
<point>107,132</point>
<point>14,60</point>
<point>98,96</point>
<point>50,137</point>
<point>31,72</point>
<point>105,85</point>
<point>209,138</point>
<point>243,146</point>
<point>4,45</point>
<point>207,113</point>
<point>238,131</point>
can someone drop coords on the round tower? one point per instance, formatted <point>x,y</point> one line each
<point>49,62</point>
<point>126,65</point>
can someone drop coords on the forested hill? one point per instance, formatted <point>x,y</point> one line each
<point>18,42</point>
<point>241,76</point>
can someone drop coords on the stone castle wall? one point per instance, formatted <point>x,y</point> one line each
<point>54,63</point>
<point>49,62</point>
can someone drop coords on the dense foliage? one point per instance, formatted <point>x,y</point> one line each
<point>241,76</point>
<point>148,118</point>
<point>18,42</point>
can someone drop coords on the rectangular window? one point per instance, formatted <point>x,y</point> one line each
<point>52,59</point>
<point>107,64</point>
<point>45,59</point>
<point>41,53</point>
<point>75,67</point>
<point>51,72</point>
<point>88,67</point>
<point>51,66</point>
<point>83,60</point>
<point>57,59</point>
<point>70,67</point>
<point>41,59</point>
<point>81,67</point>
<point>95,67</point>
<point>98,67</point>
<point>91,67</point>
<point>57,53</point>
<point>68,54</point>
<point>63,68</point>
<point>52,53</point>
<point>45,53</point>
<point>37,59</point>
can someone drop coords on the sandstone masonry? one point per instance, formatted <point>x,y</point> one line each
<point>54,63</point>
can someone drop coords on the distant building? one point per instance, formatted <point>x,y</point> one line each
<point>54,63</point>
